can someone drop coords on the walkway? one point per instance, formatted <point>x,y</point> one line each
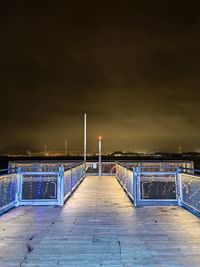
<point>99,227</point>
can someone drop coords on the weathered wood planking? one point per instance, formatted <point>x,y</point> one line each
<point>99,227</point>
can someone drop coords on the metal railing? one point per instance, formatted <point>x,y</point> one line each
<point>8,191</point>
<point>39,165</point>
<point>149,185</point>
<point>161,185</point>
<point>145,185</point>
<point>160,165</point>
<point>157,185</point>
<point>125,177</point>
<point>72,178</point>
<point>39,188</point>
<point>190,188</point>
<point>107,168</point>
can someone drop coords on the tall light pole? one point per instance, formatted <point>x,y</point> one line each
<point>85,136</point>
<point>100,163</point>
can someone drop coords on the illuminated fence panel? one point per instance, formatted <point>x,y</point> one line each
<point>160,166</point>
<point>108,168</point>
<point>38,166</point>
<point>129,182</point>
<point>67,182</point>
<point>8,189</point>
<point>126,179</point>
<point>72,178</point>
<point>157,186</point>
<point>190,185</point>
<point>149,185</point>
<point>92,168</point>
<point>75,175</point>
<point>39,186</point>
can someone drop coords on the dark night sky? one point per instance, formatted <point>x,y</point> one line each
<point>133,66</point>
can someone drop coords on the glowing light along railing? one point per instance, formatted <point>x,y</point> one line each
<point>72,178</point>
<point>125,176</point>
<point>8,191</point>
<point>38,166</point>
<point>157,183</point>
<point>190,189</point>
<point>144,185</point>
<point>38,186</point>
<point>108,168</point>
<point>149,185</point>
<point>158,166</point>
<point>50,188</point>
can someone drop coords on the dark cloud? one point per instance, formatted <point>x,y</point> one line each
<point>132,66</point>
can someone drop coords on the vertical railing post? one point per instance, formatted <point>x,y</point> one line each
<point>18,195</point>
<point>136,174</point>
<point>9,168</point>
<point>71,185</point>
<point>84,168</point>
<point>179,186</point>
<point>135,186</point>
<point>60,186</point>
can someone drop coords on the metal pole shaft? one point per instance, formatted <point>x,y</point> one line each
<point>100,164</point>
<point>85,136</point>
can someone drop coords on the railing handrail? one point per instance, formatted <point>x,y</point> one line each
<point>131,176</point>
<point>125,166</point>
<point>38,173</point>
<point>7,175</point>
<point>69,167</point>
<point>158,173</point>
<point>139,168</point>
<point>189,169</point>
<point>196,176</point>
<point>103,162</point>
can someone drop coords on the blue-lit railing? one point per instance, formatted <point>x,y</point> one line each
<point>157,185</point>
<point>145,185</point>
<point>50,188</point>
<point>161,185</point>
<point>149,185</point>
<point>125,176</point>
<point>159,165</point>
<point>39,188</point>
<point>39,166</point>
<point>8,191</point>
<point>190,188</point>
<point>72,177</point>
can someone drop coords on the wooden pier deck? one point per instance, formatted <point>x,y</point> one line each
<point>98,226</point>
